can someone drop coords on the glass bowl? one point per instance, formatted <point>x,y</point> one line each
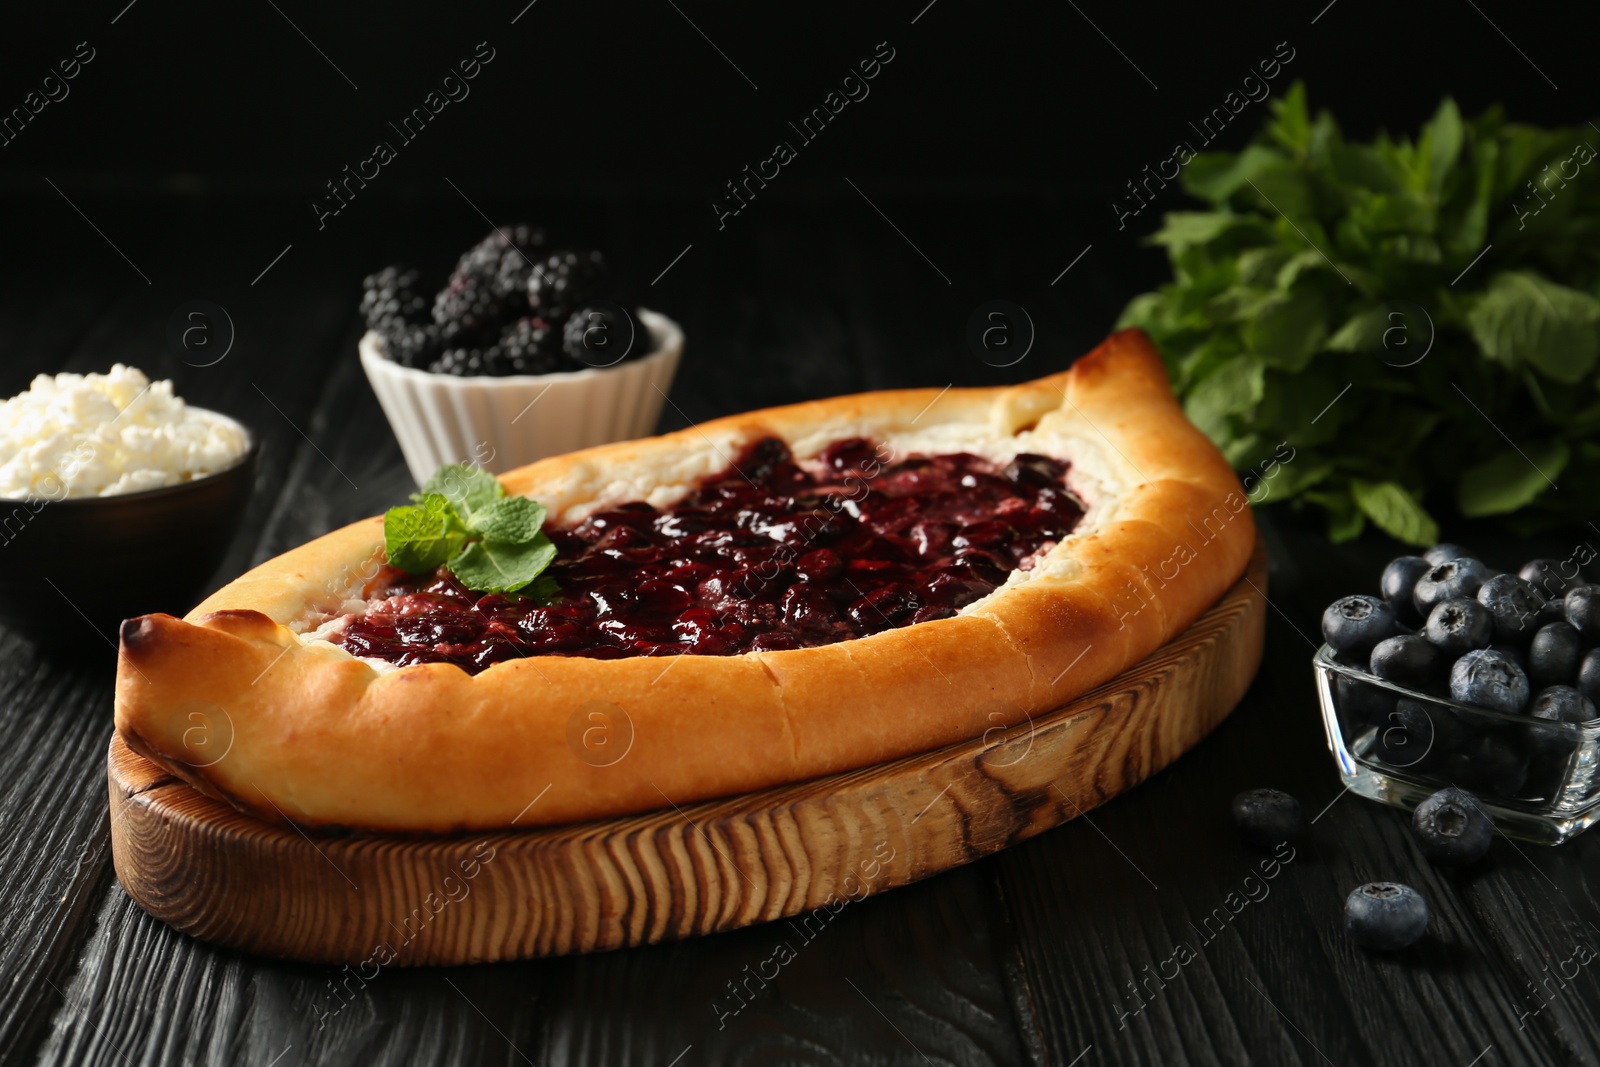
<point>1538,780</point>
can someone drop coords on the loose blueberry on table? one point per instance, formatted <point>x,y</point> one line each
<point>1449,626</point>
<point>765,556</point>
<point>1266,818</point>
<point>1385,916</point>
<point>510,306</point>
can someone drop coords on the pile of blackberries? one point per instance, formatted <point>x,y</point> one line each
<point>510,306</point>
<point>1449,627</point>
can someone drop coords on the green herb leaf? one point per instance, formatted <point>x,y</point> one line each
<point>1180,229</point>
<point>1231,389</point>
<point>1465,270</point>
<point>501,567</point>
<point>1439,146</point>
<point>1361,333</point>
<point>1525,317</point>
<point>1510,480</point>
<point>1215,176</point>
<point>1395,511</point>
<point>512,519</point>
<point>462,519</point>
<point>545,589</point>
<point>470,490</point>
<point>1345,520</point>
<point>420,537</point>
<point>1286,331</point>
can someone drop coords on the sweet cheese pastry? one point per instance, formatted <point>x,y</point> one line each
<point>755,600</point>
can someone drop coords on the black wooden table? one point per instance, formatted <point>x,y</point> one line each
<point>1060,951</point>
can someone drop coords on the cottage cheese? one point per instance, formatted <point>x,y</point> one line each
<point>81,435</point>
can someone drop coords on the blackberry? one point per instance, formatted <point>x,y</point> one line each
<point>503,261</point>
<point>465,362</point>
<point>391,297</point>
<point>530,346</point>
<point>482,261</point>
<point>411,346</point>
<point>602,335</point>
<point>563,281</point>
<point>468,313</point>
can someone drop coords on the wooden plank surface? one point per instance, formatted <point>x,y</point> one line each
<point>1021,958</point>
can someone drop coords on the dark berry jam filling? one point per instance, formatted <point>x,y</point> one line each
<point>765,556</point>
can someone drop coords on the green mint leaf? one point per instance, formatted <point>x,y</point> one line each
<point>1147,311</point>
<point>1345,520</point>
<point>1526,318</point>
<point>1233,388</point>
<point>1440,146</point>
<point>1511,479</point>
<point>544,589</point>
<point>419,537</point>
<point>1362,167</point>
<point>469,489</point>
<point>1291,120</point>
<point>1181,229</point>
<point>1395,511</point>
<point>1345,524</point>
<point>1258,268</point>
<point>1471,230</point>
<point>1286,331</point>
<point>512,519</point>
<point>1361,369</point>
<point>1215,176</point>
<point>498,567</point>
<point>1364,331</point>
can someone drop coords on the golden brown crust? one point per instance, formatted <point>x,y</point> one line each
<point>234,700</point>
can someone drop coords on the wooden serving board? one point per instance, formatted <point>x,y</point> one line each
<point>798,851</point>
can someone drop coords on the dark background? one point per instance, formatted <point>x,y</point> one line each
<point>984,162</point>
<point>200,134</point>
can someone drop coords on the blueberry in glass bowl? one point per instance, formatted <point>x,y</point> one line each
<point>525,352</point>
<point>1494,692</point>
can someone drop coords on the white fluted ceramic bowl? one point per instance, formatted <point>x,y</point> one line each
<point>503,423</point>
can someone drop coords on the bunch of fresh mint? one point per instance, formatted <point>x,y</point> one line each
<point>463,520</point>
<point>1389,329</point>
